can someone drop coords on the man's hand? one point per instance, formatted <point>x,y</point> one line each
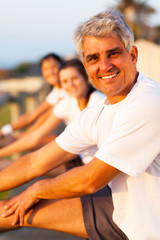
<point>18,206</point>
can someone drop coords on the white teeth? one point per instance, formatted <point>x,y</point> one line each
<point>110,76</point>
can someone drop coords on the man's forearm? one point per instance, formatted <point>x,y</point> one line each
<point>72,183</point>
<point>76,182</point>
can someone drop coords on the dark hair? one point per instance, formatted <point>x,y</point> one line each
<point>51,55</point>
<point>76,63</point>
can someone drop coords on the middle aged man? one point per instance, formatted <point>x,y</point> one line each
<point>122,134</point>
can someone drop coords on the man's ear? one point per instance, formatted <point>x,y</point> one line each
<point>134,54</point>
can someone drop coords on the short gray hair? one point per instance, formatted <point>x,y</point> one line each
<point>107,23</point>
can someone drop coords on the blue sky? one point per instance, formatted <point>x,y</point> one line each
<point>30,29</point>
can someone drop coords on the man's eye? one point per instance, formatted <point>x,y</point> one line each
<point>114,54</point>
<point>92,59</point>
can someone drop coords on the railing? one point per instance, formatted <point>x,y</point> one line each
<point>22,95</point>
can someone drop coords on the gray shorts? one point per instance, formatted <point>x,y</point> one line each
<point>97,214</point>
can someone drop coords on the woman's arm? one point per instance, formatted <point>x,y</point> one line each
<point>41,119</point>
<point>30,117</point>
<point>25,119</point>
<point>31,140</point>
<point>33,165</point>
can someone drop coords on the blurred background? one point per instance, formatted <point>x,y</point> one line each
<point>33,28</point>
<point>30,29</point>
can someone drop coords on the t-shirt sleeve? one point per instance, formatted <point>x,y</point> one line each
<point>75,138</point>
<point>52,97</point>
<point>134,141</point>
<point>55,95</point>
<point>60,109</point>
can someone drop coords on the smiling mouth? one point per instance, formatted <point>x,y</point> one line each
<point>110,76</point>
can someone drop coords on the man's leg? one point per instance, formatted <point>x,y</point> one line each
<point>62,215</point>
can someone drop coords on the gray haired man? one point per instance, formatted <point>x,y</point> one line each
<point>122,133</point>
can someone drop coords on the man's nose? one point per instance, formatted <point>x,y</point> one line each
<point>105,64</point>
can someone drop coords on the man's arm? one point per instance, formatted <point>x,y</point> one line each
<point>77,182</point>
<point>74,183</point>
<point>33,165</point>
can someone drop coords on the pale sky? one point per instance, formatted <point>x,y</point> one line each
<point>30,29</point>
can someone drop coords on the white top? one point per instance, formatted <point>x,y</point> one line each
<point>55,95</point>
<point>126,135</point>
<point>68,109</point>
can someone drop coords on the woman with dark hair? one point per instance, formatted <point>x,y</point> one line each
<point>50,65</point>
<point>80,94</point>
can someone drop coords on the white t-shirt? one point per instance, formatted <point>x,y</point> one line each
<point>126,135</point>
<point>55,95</point>
<point>68,109</point>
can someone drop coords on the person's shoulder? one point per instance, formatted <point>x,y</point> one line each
<point>97,94</point>
<point>148,84</point>
<point>93,110</point>
<point>62,92</point>
<point>51,92</point>
<point>88,118</point>
<point>66,103</point>
<point>95,97</point>
<point>144,89</point>
<point>144,97</point>
<point>149,90</point>
<point>65,100</point>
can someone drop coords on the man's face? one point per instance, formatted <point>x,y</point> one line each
<point>111,68</point>
<point>49,70</point>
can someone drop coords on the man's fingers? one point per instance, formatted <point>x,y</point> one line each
<point>9,211</point>
<point>10,202</point>
<point>18,206</point>
<point>9,205</point>
<point>21,216</point>
<point>16,217</point>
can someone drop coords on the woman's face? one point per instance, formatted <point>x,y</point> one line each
<point>49,70</point>
<point>73,82</point>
